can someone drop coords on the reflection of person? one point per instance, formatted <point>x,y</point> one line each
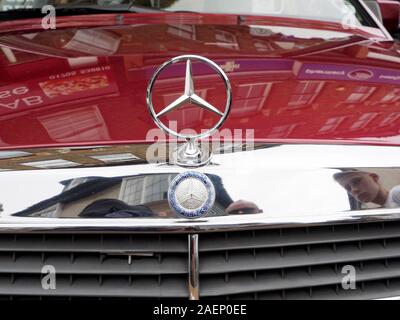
<point>1,207</point>
<point>242,207</point>
<point>113,208</point>
<point>366,187</point>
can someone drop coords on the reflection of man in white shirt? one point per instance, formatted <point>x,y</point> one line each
<point>366,187</point>
<point>393,199</point>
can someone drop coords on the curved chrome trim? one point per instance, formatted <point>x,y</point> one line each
<point>214,224</point>
<point>390,298</point>
<point>292,185</point>
<point>194,281</point>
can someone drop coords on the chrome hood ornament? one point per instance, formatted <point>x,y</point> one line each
<point>191,154</point>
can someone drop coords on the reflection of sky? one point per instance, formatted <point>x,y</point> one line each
<point>281,193</point>
<point>22,190</point>
<point>283,180</point>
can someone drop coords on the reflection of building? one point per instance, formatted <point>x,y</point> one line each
<point>105,43</point>
<point>50,158</point>
<point>145,189</point>
<point>134,192</point>
<point>84,124</point>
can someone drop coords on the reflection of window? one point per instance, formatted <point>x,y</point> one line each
<point>79,124</point>
<point>9,54</point>
<point>187,116</point>
<point>263,46</point>
<point>142,190</point>
<point>132,191</point>
<point>183,31</point>
<point>305,93</point>
<point>363,121</point>
<point>391,97</point>
<point>332,124</point>
<point>94,42</point>
<point>226,39</point>
<point>250,97</point>
<point>360,94</point>
<point>389,119</point>
<point>13,154</point>
<point>156,187</point>
<point>190,116</point>
<point>115,158</point>
<point>50,164</point>
<point>280,132</point>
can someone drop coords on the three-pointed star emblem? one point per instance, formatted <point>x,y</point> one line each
<point>189,96</point>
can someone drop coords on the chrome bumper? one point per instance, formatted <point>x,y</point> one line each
<point>290,185</point>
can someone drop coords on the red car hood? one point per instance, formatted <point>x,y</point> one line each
<point>86,84</point>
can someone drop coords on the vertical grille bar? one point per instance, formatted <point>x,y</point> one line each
<point>194,287</point>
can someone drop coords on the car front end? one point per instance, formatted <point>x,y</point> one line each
<point>195,150</point>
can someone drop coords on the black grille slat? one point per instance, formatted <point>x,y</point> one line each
<point>91,287</point>
<point>91,264</point>
<point>296,257</point>
<point>299,236</point>
<point>94,265</point>
<point>92,243</point>
<point>279,263</point>
<point>297,278</point>
<point>372,290</point>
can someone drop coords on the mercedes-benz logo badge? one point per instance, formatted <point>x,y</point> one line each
<point>191,194</point>
<point>190,154</point>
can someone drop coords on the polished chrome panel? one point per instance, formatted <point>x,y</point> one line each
<point>272,186</point>
<point>215,224</point>
<point>194,281</point>
<point>390,299</point>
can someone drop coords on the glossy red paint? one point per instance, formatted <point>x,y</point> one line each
<point>85,83</point>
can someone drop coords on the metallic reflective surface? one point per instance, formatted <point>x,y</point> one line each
<point>390,299</point>
<point>271,186</point>
<point>189,96</point>
<point>194,281</point>
<point>191,154</point>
